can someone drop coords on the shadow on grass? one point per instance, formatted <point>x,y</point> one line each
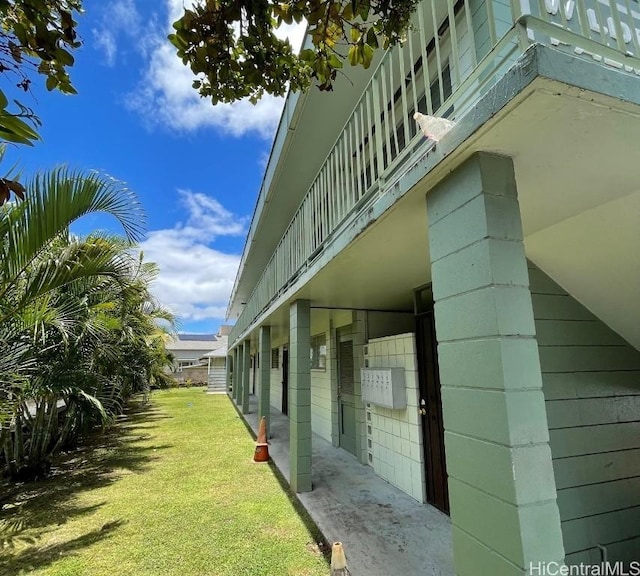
<point>319,540</point>
<point>32,509</point>
<point>34,558</point>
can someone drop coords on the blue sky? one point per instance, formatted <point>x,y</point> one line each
<point>196,168</point>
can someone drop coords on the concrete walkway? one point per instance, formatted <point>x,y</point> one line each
<point>384,531</point>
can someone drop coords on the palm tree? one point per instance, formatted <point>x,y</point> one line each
<point>71,312</point>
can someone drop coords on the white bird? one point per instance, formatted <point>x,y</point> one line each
<point>432,126</point>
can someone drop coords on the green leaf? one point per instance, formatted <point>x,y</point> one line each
<point>3,100</point>
<point>334,61</point>
<point>372,39</point>
<point>177,41</point>
<point>17,126</point>
<point>308,55</point>
<point>367,55</point>
<point>355,34</point>
<point>52,82</point>
<point>64,57</point>
<point>354,55</point>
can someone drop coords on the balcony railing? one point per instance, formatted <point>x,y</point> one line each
<point>455,51</point>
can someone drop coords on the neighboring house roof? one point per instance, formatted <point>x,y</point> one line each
<point>214,346</point>
<point>219,352</point>
<point>206,345</point>
<point>199,337</point>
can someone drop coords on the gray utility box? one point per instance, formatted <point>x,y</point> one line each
<point>384,387</point>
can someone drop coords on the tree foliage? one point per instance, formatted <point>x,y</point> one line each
<point>36,36</point>
<point>233,48</point>
<point>79,328</point>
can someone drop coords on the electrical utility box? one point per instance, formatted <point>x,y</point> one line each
<point>384,387</point>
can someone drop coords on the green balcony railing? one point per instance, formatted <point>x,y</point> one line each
<point>454,52</point>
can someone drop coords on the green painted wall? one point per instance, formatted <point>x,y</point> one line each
<point>591,382</point>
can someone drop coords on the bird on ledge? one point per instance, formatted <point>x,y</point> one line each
<point>432,126</point>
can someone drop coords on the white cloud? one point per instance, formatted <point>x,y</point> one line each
<point>166,96</point>
<point>195,279</point>
<point>120,18</point>
<point>105,41</point>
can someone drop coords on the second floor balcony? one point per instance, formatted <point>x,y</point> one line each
<point>454,53</point>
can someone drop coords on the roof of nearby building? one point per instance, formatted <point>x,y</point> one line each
<point>204,342</point>
<point>219,352</point>
<point>180,344</point>
<point>189,337</point>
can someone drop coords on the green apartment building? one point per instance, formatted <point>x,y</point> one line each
<point>464,317</point>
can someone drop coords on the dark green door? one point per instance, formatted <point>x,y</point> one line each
<point>346,397</point>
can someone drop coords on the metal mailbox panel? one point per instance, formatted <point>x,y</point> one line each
<point>384,387</point>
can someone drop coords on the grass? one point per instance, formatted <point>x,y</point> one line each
<point>170,490</point>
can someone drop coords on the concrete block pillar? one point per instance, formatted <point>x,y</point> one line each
<point>246,373</point>
<point>229,371</point>
<point>234,376</point>
<point>333,375</point>
<point>264,406</point>
<point>300,395</point>
<point>238,382</point>
<point>501,483</point>
<point>359,340</point>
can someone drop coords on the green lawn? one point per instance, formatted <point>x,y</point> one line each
<point>171,490</point>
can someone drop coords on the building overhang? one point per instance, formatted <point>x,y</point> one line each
<point>312,116</point>
<point>572,126</point>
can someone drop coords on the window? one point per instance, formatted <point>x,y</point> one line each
<point>183,364</point>
<point>275,358</point>
<point>319,352</point>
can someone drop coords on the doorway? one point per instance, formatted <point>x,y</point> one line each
<point>285,381</point>
<point>431,412</point>
<point>346,397</point>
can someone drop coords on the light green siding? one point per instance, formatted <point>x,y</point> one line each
<point>591,381</point>
<point>321,404</point>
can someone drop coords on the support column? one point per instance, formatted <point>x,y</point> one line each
<point>229,372</point>
<point>359,340</point>
<point>300,396</point>
<point>246,373</point>
<point>501,483</point>
<point>333,364</point>
<point>265,376</point>
<point>238,383</point>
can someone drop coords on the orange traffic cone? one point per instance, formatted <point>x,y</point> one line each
<point>262,447</point>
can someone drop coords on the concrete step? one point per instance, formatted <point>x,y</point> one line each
<point>217,389</point>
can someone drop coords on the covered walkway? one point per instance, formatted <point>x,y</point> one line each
<point>384,531</point>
